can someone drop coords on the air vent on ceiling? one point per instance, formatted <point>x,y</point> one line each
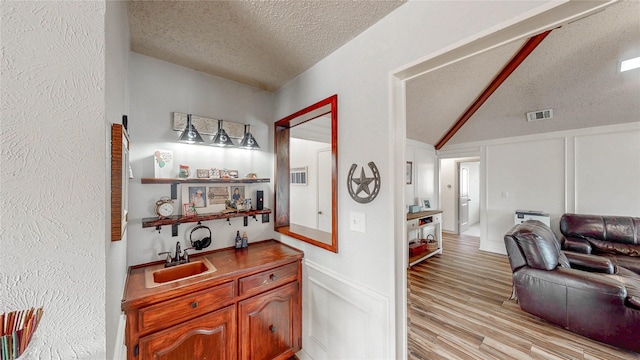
<point>540,115</point>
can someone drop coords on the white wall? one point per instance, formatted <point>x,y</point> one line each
<point>593,170</point>
<point>159,88</point>
<point>52,179</point>
<point>359,73</point>
<point>303,199</point>
<point>117,104</point>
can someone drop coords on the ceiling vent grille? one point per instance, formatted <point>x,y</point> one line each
<point>540,115</point>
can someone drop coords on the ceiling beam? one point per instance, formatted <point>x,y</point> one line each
<point>506,71</point>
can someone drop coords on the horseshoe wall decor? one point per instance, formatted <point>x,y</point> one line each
<point>362,183</point>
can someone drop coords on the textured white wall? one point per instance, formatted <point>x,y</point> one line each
<point>117,104</point>
<point>159,88</point>
<point>52,178</point>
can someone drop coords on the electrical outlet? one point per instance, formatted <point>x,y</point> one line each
<point>265,218</point>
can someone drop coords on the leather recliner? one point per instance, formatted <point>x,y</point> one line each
<point>585,294</point>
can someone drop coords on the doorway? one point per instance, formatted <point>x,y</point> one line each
<point>460,194</point>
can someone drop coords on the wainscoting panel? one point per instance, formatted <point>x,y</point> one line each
<point>342,319</point>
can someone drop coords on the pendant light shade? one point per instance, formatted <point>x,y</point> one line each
<point>248,141</point>
<point>222,139</point>
<point>190,135</point>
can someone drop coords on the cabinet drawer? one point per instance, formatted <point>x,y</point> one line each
<point>412,224</point>
<point>184,308</point>
<point>268,279</point>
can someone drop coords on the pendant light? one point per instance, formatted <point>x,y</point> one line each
<point>190,135</point>
<point>248,141</point>
<point>222,139</point>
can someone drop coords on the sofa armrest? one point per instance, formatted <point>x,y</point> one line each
<point>571,278</point>
<point>591,263</point>
<point>576,244</point>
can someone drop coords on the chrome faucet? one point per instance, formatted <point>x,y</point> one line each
<point>177,259</point>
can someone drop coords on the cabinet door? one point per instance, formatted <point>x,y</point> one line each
<point>211,336</point>
<point>270,324</point>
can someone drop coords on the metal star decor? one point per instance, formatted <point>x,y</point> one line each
<point>362,183</point>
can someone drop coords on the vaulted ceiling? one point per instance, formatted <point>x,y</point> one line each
<point>265,44</point>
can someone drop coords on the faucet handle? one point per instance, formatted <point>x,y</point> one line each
<point>185,255</point>
<point>168,259</point>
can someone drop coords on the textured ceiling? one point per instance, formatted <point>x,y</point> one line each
<point>574,71</point>
<point>264,44</point>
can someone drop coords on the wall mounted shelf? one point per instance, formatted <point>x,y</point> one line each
<point>176,220</point>
<point>174,182</point>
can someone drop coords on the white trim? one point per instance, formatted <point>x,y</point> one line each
<point>120,349</point>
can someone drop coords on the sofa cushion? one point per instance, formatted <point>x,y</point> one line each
<point>539,245</point>
<point>614,248</point>
<point>619,229</point>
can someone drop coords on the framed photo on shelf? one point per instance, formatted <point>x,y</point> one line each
<point>189,210</point>
<point>205,199</point>
<point>426,204</point>
<point>203,173</point>
<point>237,193</point>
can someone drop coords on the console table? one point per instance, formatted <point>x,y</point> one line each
<point>419,226</point>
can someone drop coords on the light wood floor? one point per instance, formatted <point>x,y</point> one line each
<point>459,309</point>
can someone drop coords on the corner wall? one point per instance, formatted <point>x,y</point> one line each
<point>52,179</point>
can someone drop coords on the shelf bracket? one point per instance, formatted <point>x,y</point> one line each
<point>174,191</point>
<point>174,229</point>
<point>246,221</point>
<point>158,227</point>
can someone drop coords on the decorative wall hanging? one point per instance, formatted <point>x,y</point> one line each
<point>362,183</point>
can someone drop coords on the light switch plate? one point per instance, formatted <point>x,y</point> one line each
<point>357,222</point>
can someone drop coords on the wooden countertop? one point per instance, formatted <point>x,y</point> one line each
<point>411,216</point>
<point>229,262</point>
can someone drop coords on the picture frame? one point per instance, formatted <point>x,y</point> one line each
<point>214,197</point>
<point>426,204</point>
<point>188,210</point>
<point>197,196</point>
<point>408,173</point>
<point>237,193</point>
<point>233,174</point>
<point>202,173</point>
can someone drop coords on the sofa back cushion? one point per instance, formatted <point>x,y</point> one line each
<point>539,245</point>
<point>618,229</point>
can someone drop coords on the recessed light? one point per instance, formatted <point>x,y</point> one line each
<point>630,64</point>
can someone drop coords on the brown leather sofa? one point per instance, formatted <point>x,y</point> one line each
<point>615,237</point>
<point>585,294</point>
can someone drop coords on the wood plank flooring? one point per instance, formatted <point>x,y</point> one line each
<point>459,308</point>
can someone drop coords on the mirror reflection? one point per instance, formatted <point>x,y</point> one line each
<point>306,153</point>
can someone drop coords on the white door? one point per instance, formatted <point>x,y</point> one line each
<point>324,190</point>
<point>463,207</point>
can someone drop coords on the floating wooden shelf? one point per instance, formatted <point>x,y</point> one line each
<point>179,219</point>
<point>174,182</point>
<point>199,181</point>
